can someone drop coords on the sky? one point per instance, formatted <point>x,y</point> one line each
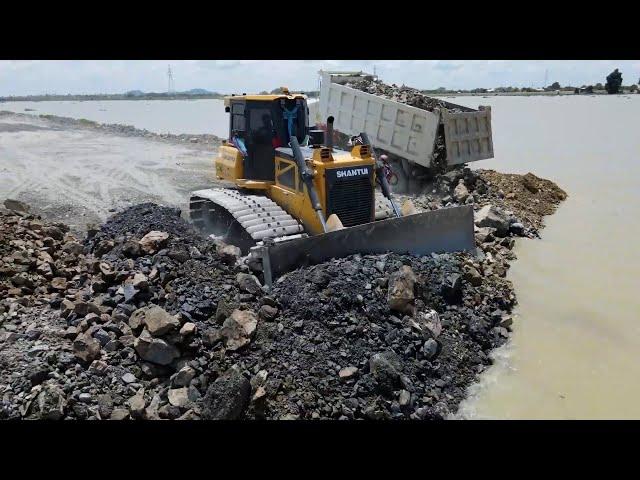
<point>33,77</point>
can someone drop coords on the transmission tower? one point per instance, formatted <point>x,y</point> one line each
<point>170,86</point>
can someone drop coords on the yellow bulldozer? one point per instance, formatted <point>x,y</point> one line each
<point>292,199</point>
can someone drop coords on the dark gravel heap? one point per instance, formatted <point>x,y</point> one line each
<point>151,320</point>
<point>80,359</point>
<point>335,318</point>
<point>138,220</point>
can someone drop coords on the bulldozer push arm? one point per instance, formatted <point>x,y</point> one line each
<point>306,175</point>
<point>381,179</point>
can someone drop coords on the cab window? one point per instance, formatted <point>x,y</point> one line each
<point>237,117</point>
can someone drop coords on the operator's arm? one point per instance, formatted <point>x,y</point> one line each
<point>239,143</point>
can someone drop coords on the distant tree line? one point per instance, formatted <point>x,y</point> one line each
<point>613,85</point>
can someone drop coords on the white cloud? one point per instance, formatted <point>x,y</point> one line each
<point>227,76</point>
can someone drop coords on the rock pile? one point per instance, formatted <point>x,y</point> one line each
<point>402,94</point>
<point>120,337</point>
<point>37,260</point>
<point>384,336</point>
<point>529,197</point>
<point>504,203</point>
<point>148,319</point>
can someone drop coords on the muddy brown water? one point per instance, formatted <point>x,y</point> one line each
<point>575,349</point>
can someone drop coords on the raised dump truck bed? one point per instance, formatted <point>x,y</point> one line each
<point>405,131</point>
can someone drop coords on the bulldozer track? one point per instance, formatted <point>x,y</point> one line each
<point>259,216</point>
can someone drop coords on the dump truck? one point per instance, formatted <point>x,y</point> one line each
<point>419,143</point>
<point>290,198</point>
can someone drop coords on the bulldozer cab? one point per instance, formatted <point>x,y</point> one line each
<point>263,123</point>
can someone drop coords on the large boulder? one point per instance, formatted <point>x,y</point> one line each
<point>530,182</point>
<point>238,329</point>
<point>227,397</point>
<point>156,319</point>
<point>178,397</point>
<point>484,235</point>
<point>50,403</point>
<point>58,283</point>
<point>159,322</point>
<point>451,289</point>
<point>229,254</point>
<point>472,275</point>
<point>460,193</point>
<point>136,404</point>
<point>223,310</point>
<point>494,217</point>
<point>16,205</point>
<point>430,349</point>
<point>451,177</point>
<point>132,249</point>
<point>155,350</point>
<point>268,312</point>
<point>83,308</point>
<point>153,241</point>
<point>86,348</point>
<point>248,283</point>
<point>430,323</point>
<point>183,377</point>
<point>385,368</point>
<point>400,295</point>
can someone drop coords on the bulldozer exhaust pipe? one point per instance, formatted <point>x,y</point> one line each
<point>329,139</point>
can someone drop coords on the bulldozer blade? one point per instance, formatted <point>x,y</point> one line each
<point>438,231</point>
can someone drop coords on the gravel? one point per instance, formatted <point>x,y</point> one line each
<point>146,318</point>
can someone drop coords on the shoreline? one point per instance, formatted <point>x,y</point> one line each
<point>104,98</point>
<point>119,129</point>
<point>94,98</point>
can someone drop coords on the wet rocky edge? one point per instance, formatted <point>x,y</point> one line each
<point>513,202</point>
<point>145,318</point>
<point>122,130</point>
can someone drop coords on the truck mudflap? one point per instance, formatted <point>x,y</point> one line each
<point>468,135</point>
<point>439,231</point>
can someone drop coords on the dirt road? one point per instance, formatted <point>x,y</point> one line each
<point>79,176</point>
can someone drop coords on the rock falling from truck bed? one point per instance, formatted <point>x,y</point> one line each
<point>415,98</point>
<point>403,94</point>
